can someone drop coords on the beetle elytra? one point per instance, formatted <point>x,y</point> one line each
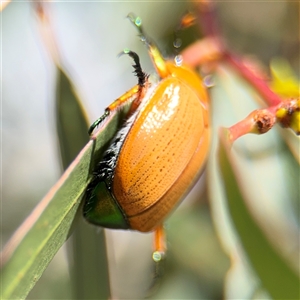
<point>158,154</point>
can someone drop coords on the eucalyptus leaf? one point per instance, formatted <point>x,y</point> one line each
<point>71,120</point>
<point>37,240</point>
<point>268,176</point>
<point>274,272</point>
<point>87,246</point>
<point>292,141</point>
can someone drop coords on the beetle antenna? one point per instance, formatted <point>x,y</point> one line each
<point>187,20</point>
<point>154,52</point>
<point>139,73</point>
<point>137,22</point>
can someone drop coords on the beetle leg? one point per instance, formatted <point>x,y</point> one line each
<point>188,19</point>
<point>128,97</point>
<point>133,96</point>
<point>159,244</point>
<point>159,253</point>
<point>140,74</point>
<point>143,83</point>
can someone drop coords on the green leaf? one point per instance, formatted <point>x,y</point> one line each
<point>87,246</point>
<point>275,274</point>
<point>269,178</point>
<point>37,240</point>
<point>71,120</point>
<point>292,141</point>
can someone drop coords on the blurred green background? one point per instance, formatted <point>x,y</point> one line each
<point>89,37</point>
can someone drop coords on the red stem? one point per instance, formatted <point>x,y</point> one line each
<point>207,18</point>
<point>259,84</point>
<point>208,22</point>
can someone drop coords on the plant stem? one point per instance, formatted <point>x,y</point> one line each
<point>208,22</point>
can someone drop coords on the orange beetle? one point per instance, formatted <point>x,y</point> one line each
<point>158,154</point>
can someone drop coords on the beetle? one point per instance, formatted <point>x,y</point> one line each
<point>157,155</point>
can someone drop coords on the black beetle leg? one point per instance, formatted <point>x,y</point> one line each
<point>99,120</point>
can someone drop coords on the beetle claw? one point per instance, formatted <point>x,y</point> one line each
<point>136,21</point>
<point>138,71</point>
<point>98,121</point>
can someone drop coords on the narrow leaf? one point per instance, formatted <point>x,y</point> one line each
<point>72,124</point>
<point>292,141</point>
<point>275,274</point>
<point>37,240</point>
<point>87,246</point>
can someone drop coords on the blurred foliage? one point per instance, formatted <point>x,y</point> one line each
<point>284,80</point>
